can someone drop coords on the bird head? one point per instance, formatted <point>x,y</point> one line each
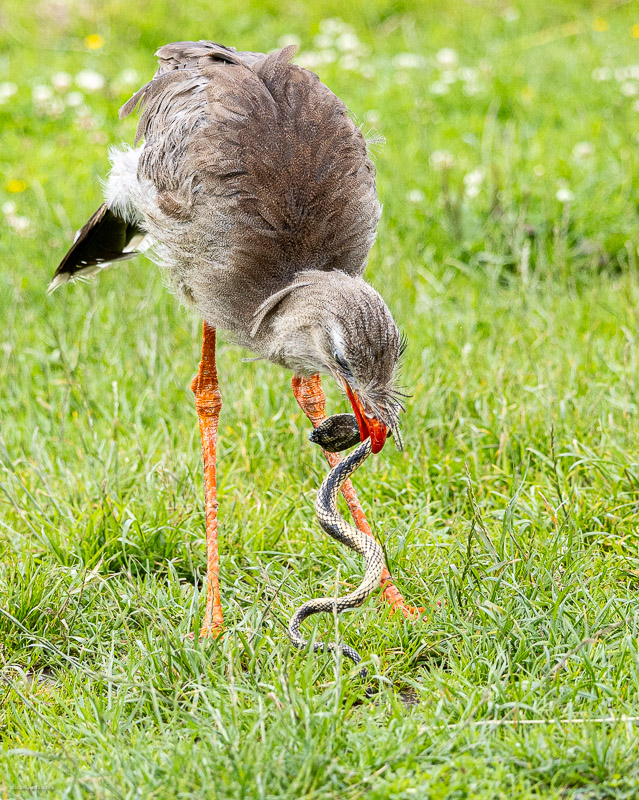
<point>334,323</point>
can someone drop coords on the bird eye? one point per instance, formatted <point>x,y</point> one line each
<point>341,363</point>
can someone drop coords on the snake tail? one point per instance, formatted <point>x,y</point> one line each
<point>334,525</point>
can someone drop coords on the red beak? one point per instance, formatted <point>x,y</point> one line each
<point>368,426</point>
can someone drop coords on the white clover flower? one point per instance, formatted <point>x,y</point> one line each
<point>85,120</point>
<point>309,59</point>
<point>130,77</point>
<point>284,41</point>
<point>441,160</point>
<point>622,74</point>
<point>348,42</point>
<point>415,196</point>
<point>53,107</point>
<point>332,26</point>
<point>510,14</point>
<point>448,76</point>
<point>90,80</point>
<point>349,62</point>
<point>629,89</point>
<point>61,81</point>
<point>18,223</point>
<point>582,151</point>
<point>74,99</point>
<point>367,70</point>
<point>408,61</point>
<point>473,181</point>
<point>323,40</point>
<point>633,72</point>
<point>9,207</point>
<point>539,170</point>
<point>469,74</point>
<point>446,58</point>
<point>7,90</point>
<point>471,89</point>
<point>564,195</point>
<point>373,117</point>
<point>601,74</point>
<point>635,105</point>
<point>438,88</point>
<point>41,94</point>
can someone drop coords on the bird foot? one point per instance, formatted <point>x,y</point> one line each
<point>213,631</point>
<point>398,605</point>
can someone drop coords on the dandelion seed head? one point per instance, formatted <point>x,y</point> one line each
<point>446,57</point>
<point>415,196</point>
<point>564,195</point>
<point>441,160</point>
<point>582,151</point>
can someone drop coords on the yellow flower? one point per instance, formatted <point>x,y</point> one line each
<point>16,185</point>
<point>94,41</point>
<point>634,31</point>
<point>600,25</point>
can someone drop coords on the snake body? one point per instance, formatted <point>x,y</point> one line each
<point>334,435</point>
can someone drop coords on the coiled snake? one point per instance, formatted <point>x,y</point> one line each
<point>334,434</point>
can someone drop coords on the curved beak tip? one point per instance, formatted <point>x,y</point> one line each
<point>368,426</point>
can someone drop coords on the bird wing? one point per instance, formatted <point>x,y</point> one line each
<point>267,146</point>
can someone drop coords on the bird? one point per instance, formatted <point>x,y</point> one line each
<point>251,186</point>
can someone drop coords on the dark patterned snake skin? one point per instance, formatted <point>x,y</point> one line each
<point>335,434</point>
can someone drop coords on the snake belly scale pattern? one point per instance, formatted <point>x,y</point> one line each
<point>334,525</point>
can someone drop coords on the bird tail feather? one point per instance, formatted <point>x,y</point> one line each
<point>106,237</point>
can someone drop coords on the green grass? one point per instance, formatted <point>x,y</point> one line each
<point>515,504</point>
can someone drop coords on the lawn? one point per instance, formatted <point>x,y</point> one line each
<point>508,253</point>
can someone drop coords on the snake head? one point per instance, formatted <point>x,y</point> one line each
<point>336,433</point>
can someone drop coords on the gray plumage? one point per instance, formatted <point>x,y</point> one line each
<point>256,193</point>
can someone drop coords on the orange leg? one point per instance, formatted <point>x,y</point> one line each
<point>208,402</point>
<point>310,397</point>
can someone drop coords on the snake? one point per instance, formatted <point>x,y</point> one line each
<point>337,433</point>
